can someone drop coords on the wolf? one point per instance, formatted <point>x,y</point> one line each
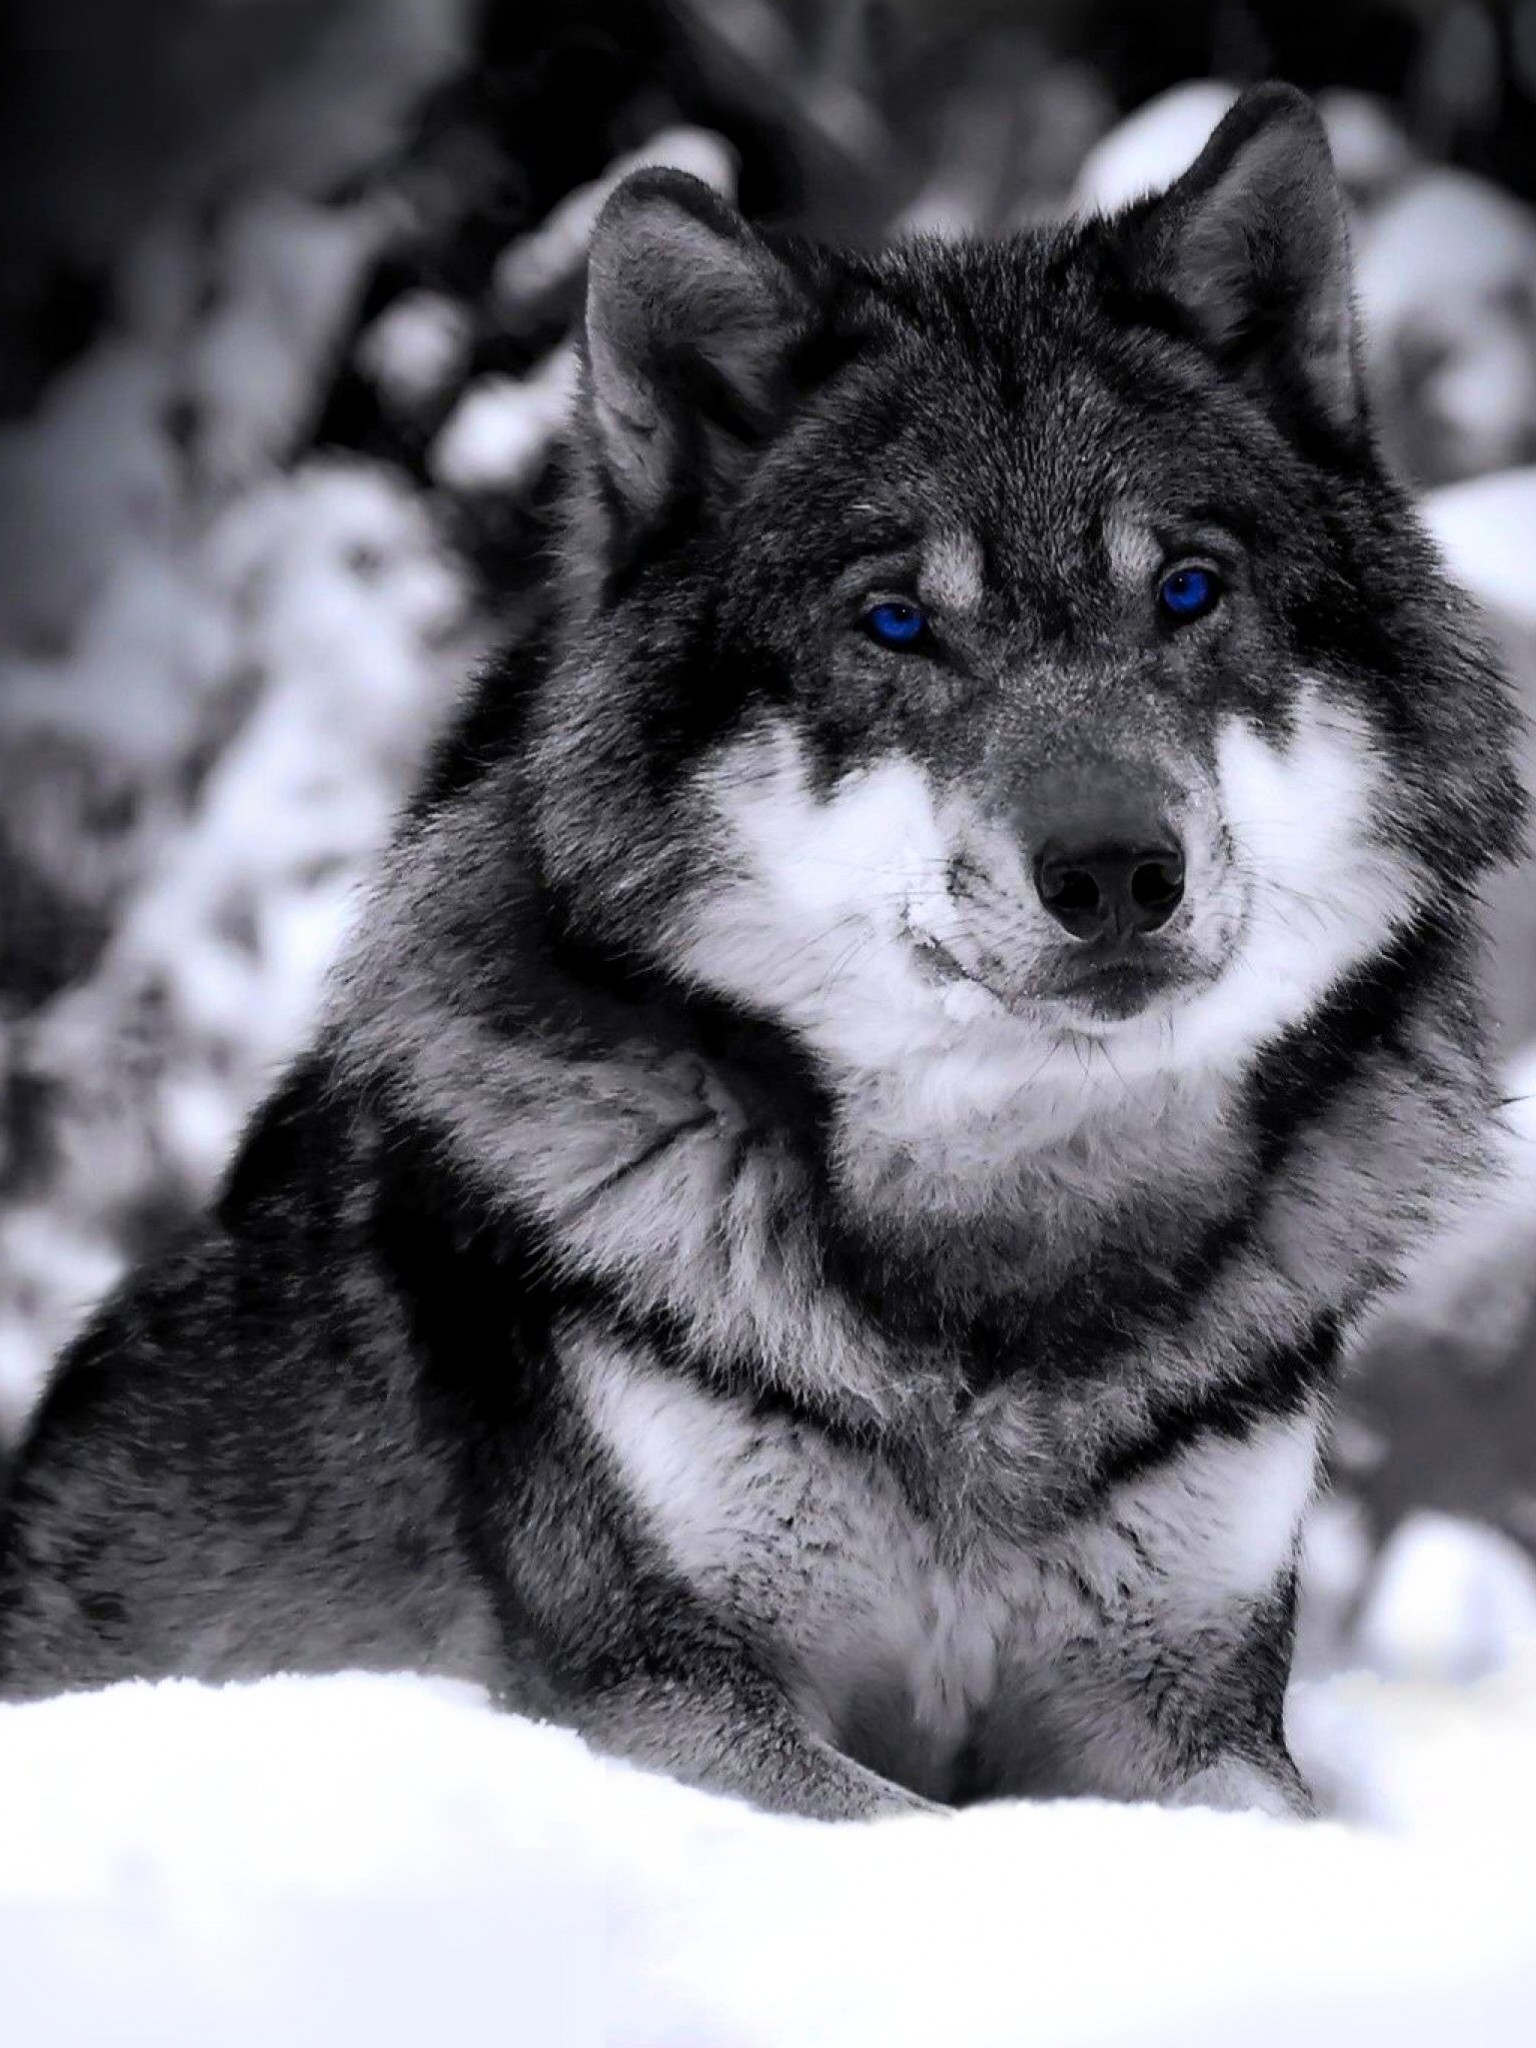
<point>892,1046</point>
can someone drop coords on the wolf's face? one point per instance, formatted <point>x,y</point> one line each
<point>1031,746</point>
<point>1023,658</point>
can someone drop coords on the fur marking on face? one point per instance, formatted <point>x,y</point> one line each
<point>953,574</point>
<point>842,917</point>
<point>1323,891</point>
<point>819,921</point>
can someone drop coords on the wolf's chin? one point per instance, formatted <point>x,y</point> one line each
<point>1122,991</point>
<point>1086,1001</point>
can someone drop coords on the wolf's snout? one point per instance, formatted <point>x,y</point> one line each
<point>1102,881</point>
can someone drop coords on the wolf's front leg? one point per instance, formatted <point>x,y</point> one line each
<point>1241,1784</point>
<point>1164,1631</point>
<point>734,1732</point>
<point>1152,1701</point>
<point>1161,1644</point>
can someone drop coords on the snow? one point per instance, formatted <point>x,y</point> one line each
<point>366,1858</point>
<point>1370,151</point>
<point>1444,270</point>
<point>502,431</point>
<point>1487,530</point>
<point>1453,229</point>
<point>1151,147</point>
<point>1448,1600</point>
<point>1162,138</point>
<point>310,628</point>
<point>537,264</point>
<point>416,348</point>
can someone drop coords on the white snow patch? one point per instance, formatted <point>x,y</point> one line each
<point>388,1860</point>
<point>1448,240</point>
<point>500,434</point>
<point>309,621</point>
<point>539,263</point>
<point>1487,532</point>
<point>1336,1562</point>
<point>1151,147</point>
<point>1443,272</point>
<point>1451,1601</point>
<point>1370,151</point>
<point>416,347</point>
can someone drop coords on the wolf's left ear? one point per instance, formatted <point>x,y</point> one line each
<point>690,317</point>
<point>1252,245</point>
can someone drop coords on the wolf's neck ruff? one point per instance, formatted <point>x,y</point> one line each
<point>1156,1254</point>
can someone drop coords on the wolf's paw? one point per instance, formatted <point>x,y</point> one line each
<point>1234,1785</point>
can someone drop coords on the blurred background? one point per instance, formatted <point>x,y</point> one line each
<point>286,293</point>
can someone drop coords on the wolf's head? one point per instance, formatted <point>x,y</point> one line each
<point>992,657</point>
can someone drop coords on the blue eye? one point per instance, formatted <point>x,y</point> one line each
<point>1186,594</point>
<point>896,624</point>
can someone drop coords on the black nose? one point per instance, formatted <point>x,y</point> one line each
<point>1102,884</point>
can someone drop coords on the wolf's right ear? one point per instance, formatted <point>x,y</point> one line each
<point>690,318</point>
<point>1252,246</point>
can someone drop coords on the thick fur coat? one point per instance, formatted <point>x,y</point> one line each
<point>893,1044</point>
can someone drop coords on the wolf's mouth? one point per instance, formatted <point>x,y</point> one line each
<point>940,962</point>
<point>1109,986</point>
<point>1117,989</point>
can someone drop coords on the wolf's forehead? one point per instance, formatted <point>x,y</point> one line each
<point>1047,437</point>
<point>982,494</point>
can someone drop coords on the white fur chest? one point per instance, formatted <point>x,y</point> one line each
<point>904,1639</point>
<point>880,1636</point>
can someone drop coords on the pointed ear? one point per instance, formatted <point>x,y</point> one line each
<point>1252,246</point>
<point>690,320</point>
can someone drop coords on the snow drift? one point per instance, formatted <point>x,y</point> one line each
<point>385,1860</point>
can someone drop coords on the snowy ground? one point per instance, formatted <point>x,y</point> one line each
<point>383,1860</point>
<point>220,660</point>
